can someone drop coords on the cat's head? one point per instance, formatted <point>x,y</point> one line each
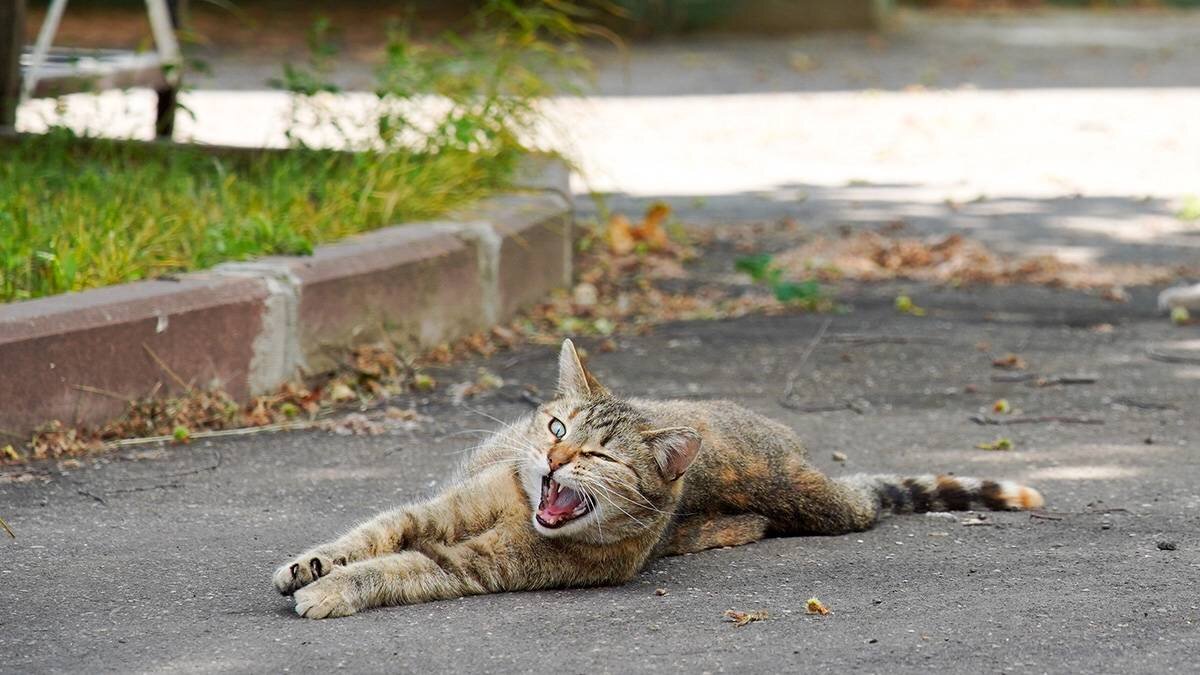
<point>596,467</point>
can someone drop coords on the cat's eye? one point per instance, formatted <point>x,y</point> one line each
<point>557,428</point>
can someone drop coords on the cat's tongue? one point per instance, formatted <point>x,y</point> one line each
<point>559,503</point>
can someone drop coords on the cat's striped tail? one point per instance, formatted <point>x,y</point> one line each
<point>921,494</point>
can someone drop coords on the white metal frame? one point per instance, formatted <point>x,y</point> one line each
<point>160,26</point>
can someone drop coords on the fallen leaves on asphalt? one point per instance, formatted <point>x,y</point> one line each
<point>354,424</point>
<point>485,381</point>
<point>1010,362</point>
<point>998,444</point>
<point>740,619</point>
<point>955,260</point>
<point>905,305</point>
<point>815,606</point>
<point>623,236</point>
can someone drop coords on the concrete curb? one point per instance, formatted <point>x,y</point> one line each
<point>246,327</point>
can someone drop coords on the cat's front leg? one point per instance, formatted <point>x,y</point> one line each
<point>502,559</point>
<point>399,579</point>
<point>384,534</point>
<point>307,568</point>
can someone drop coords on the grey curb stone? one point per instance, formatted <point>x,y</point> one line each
<point>249,326</point>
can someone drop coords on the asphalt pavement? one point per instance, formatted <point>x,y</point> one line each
<point>159,559</point>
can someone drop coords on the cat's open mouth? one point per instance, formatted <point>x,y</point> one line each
<point>560,504</point>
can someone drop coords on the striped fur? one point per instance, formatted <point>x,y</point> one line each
<point>922,494</point>
<point>640,479</point>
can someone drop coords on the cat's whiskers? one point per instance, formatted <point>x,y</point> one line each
<point>630,486</point>
<point>591,497</point>
<point>502,423</point>
<point>604,492</point>
<point>514,445</point>
<point>499,462</point>
<point>648,505</point>
<point>634,504</point>
<point>460,432</point>
<point>471,448</point>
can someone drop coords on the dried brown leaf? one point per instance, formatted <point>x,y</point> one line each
<point>740,619</point>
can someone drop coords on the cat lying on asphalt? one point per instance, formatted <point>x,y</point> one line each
<point>589,487</point>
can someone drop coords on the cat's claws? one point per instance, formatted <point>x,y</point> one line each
<point>303,571</point>
<point>325,599</point>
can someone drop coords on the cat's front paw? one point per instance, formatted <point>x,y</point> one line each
<point>328,598</point>
<point>303,571</point>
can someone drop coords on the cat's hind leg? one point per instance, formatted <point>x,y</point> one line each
<point>805,501</point>
<point>817,504</point>
<point>704,531</point>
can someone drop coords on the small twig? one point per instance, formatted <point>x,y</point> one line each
<point>212,467</point>
<point>1172,358</point>
<point>98,498</point>
<point>167,369</point>
<point>146,488</point>
<point>7,528</point>
<point>101,392</point>
<point>795,374</point>
<point>857,339</point>
<point>1143,405</point>
<point>1038,381</point>
<point>1065,379</point>
<point>244,431</point>
<point>816,407</point>
<point>1040,419</point>
<point>1013,377</point>
<point>1108,511</point>
<point>1042,516</point>
<point>1101,512</point>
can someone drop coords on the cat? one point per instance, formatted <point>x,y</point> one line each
<point>589,487</point>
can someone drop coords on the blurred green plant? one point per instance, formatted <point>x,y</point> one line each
<point>475,89</point>
<point>1189,211</point>
<point>448,124</point>
<point>763,270</point>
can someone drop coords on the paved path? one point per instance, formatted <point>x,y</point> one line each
<point>1073,131</point>
<point>160,560</point>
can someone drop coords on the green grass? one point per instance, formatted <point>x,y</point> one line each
<point>82,214</point>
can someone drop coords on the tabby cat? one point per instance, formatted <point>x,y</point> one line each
<point>589,487</point>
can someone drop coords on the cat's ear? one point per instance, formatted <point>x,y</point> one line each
<point>674,449</point>
<point>573,378</point>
